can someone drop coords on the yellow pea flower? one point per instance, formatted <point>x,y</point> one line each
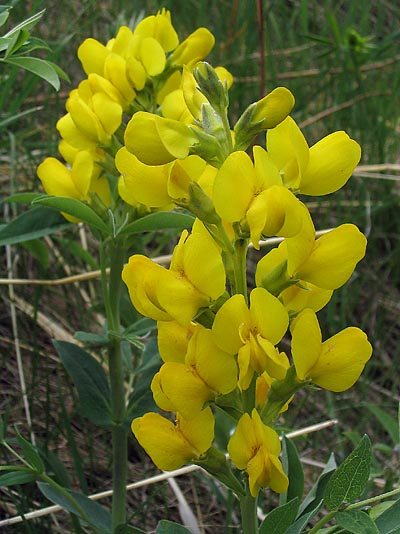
<point>160,141</point>
<point>206,373</point>
<point>196,278</point>
<point>97,116</point>
<point>334,364</point>
<point>253,194</point>
<point>160,28</point>
<point>193,49</point>
<point>252,334</point>
<point>75,182</point>
<point>317,270</point>
<point>320,170</point>
<point>73,135</point>
<point>141,183</point>
<point>170,445</point>
<point>255,447</point>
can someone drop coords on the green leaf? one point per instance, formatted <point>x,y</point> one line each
<point>76,208</point>
<point>298,525</point>
<point>351,477</point>
<point>356,522</point>
<point>30,454</point>
<point>93,514</point>
<point>32,224</point>
<point>90,380</point>
<point>157,221</point>
<point>23,198</point>
<point>17,477</point>
<point>4,14</point>
<point>294,470</point>
<point>280,519</point>
<point>168,527</point>
<point>389,423</point>
<point>37,66</point>
<point>316,493</point>
<point>26,24</point>
<point>388,522</point>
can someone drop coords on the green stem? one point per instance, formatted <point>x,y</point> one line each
<point>111,295</point>
<point>248,509</point>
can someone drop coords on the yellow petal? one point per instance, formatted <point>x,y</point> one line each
<point>175,136</point>
<point>82,171</point>
<point>202,263</point>
<point>229,322</point>
<point>242,442</point>
<point>143,140</point>
<point>92,55</point>
<point>143,276</point>
<point>136,73</point>
<point>56,179</point>
<point>183,388</point>
<point>332,162</point>
<point>115,71</point>
<point>300,245</point>
<point>182,173</point>
<point>214,366</point>
<point>159,395</point>
<point>152,55</point>
<point>342,360</point>
<point>194,48</point>
<point>306,342</point>
<point>108,112</point>
<point>268,315</point>
<point>234,187</point>
<point>153,430</point>
<point>278,481</point>
<point>75,137</point>
<point>148,183</point>
<point>295,298</point>
<point>85,119</point>
<point>199,430</point>
<point>334,257</point>
<point>266,171</point>
<point>273,108</point>
<point>159,26</point>
<point>173,339</point>
<point>289,151</point>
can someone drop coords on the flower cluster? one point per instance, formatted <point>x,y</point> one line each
<point>218,342</point>
<point>134,73</point>
<point>154,115</point>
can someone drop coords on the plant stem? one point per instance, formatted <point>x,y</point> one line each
<point>248,509</point>
<point>111,294</point>
<point>239,282</point>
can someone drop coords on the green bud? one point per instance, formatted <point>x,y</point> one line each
<point>201,205</point>
<point>211,86</point>
<point>215,463</point>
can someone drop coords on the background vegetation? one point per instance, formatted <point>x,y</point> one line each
<point>341,61</point>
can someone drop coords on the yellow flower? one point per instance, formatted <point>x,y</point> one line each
<point>206,373</point>
<point>273,108</point>
<point>252,333</point>
<point>159,27</point>
<point>334,364</point>
<point>194,48</point>
<point>322,169</point>
<point>253,195</point>
<point>156,140</point>
<point>172,445</point>
<point>96,115</point>
<point>255,447</point>
<point>317,266</point>
<point>196,278</point>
